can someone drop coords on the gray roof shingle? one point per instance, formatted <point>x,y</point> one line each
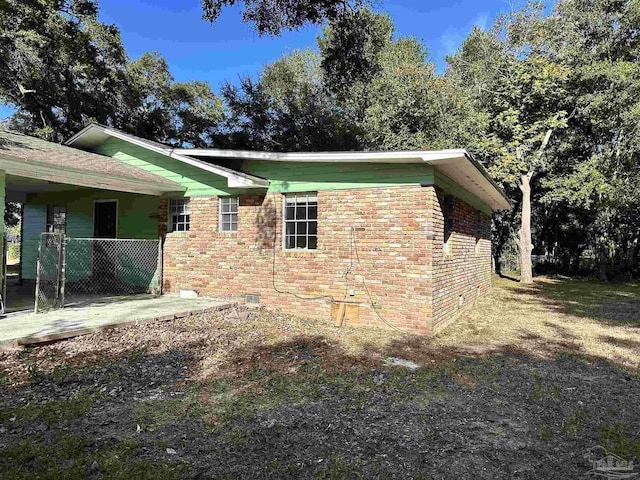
<point>28,149</point>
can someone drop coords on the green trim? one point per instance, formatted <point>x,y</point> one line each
<point>450,187</point>
<point>310,176</point>
<point>197,182</point>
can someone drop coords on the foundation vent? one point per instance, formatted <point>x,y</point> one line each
<point>252,298</point>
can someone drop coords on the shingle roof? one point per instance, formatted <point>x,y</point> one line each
<point>35,152</point>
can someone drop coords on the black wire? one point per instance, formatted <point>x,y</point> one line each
<point>273,265</point>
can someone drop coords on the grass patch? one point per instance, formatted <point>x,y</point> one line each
<point>553,316</point>
<point>262,390</point>
<point>70,457</point>
<point>54,411</point>
<point>575,422</point>
<point>616,439</point>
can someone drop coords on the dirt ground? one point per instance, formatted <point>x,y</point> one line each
<point>520,387</point>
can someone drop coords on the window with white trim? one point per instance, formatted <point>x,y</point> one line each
<point>179,215</point>
<point>56,219</point>
<point>229,214</point>
<point>301,221</point>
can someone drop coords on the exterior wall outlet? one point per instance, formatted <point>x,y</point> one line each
<point>352,292</point>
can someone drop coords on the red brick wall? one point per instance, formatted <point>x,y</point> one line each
<point>376,235</point>
<point>463,272</point>
<point>384,240</point>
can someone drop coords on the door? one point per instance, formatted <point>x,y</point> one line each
<point>105,254</point>
<point>105,219</point>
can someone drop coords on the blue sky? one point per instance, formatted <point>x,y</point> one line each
<point>229,49</point>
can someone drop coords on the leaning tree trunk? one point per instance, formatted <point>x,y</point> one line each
<point>524,243</point>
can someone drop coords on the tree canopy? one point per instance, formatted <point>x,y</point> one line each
<point>62,68</point>
<point>548,101</point>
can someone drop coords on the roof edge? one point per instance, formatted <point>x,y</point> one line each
<point>234,178</point>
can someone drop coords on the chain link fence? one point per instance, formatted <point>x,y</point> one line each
<point>50,261</point>
<point>72,271</point>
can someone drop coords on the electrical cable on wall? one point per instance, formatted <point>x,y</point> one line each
<point>353,249</point>
<point>366,288</point>
<point>273,265</point>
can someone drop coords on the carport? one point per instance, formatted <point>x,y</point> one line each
<point>98,208</point>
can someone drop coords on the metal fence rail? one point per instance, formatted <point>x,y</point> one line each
<point>75,270</point>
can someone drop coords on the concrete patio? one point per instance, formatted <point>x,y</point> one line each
<point>31,328</point>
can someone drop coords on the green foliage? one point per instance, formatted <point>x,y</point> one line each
<point>62,68</point>
<point>286,109</point>
<point>276,15</point>
<point>617,440</point>
<point>573,73</point>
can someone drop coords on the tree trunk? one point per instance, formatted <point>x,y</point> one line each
<point>497,267</point>
<point>526,274</point>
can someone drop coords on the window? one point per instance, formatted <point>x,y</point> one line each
<point>56,219</point>
<point>301,221</point>
<point>478,230</point>
<point>179,215</point>
<point>229,214</point>
<point>447,214</point>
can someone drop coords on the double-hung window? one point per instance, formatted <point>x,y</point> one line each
<point>229,214</point>
<point>179,215</point>
<point>301,221</point>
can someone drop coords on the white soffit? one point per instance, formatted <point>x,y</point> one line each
<point>456,164</point>
<point>465,173</point>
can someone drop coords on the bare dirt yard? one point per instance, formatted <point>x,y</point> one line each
<point>520,387</point>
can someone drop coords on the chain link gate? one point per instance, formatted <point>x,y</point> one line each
<point>91,268</point>
<point>48,280</point>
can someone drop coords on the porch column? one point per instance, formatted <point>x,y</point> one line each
<point>3,239</point>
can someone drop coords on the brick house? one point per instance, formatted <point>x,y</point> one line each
<point>397,238</point>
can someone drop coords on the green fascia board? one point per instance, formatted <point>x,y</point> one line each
<point>198,182</point>
<point>287,176</point>
<point>312,176</point>
<point>450,187</point>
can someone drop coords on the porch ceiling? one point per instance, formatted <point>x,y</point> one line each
<point>17,188</point>
<point>26,157</point>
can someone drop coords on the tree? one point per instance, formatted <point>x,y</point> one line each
<point>597,174</point>
<point>272,16</point>
<point>62,68</point>
<point>525,98</point>
<point>175,113</point>
<point>59,65</point>
<point>287,108</point>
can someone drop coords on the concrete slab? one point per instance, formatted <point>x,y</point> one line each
<point>31,328</point>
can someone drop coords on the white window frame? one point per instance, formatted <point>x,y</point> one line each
<point>184,211</point>
<point>51,227</point>
<point>230,204</point>
<point>294,199</point>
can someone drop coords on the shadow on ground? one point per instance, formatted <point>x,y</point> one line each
<point>616,305</point>
<point>304,407</point>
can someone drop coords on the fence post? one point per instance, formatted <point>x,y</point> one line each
<point>63,268</point>
<point>161,264</point>
<point>38,273</point>
<point>4,273</point>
